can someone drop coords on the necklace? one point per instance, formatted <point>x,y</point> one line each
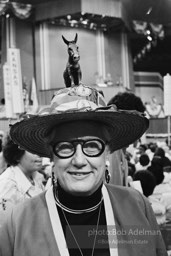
<point>97,225</point>
<point>65,208</point>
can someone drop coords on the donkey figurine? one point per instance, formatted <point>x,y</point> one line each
<point>72,74</point>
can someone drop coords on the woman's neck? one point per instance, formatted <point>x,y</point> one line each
<point>29,175</point>
<point>78,202</point>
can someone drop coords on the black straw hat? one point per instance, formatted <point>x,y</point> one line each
<point>78,103</point>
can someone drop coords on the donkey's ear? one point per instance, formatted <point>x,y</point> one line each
<point>76,37</point>
<point>65,41</point>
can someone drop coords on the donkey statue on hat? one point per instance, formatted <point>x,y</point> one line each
<point>72,74</point>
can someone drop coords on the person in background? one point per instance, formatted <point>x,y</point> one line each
<point>81,214</point>
<point>19,181</point>
<point>166,162</point>
<point>156,168</point>
<point>131,166</point>
<point>1,139</point>
<point>151,148</point>
<point>161,198</point>
<point>142,149</point>
<point>3,164</point>
<point>148,184</point>
<point>167,141</point>
<point>162,191</point>
<point>143,162</point>
<point>147,180</point>
<point>118,166</point>
<point>46,171</point>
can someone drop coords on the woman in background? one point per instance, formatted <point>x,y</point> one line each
<point>19,181</point>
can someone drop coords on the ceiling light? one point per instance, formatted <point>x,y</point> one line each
<point>149,38</point>
<point>68,17</point>
<point>148,32</point>
<point>149,10</point>
<point>84,22</point>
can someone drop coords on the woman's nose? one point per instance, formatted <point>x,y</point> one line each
<point>79,158</point>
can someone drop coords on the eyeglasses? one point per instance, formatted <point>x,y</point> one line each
<point>91,148</point>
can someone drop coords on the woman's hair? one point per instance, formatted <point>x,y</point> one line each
<point>144,159</point>
<point>152,146</point>
<point>127,101</point>
<point>11,152</point>
<point>142,147</point>
<point>148,181</point>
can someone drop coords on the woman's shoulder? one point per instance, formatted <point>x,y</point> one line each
<point>7,173</point>
<point>129,198</point>
<point>7,180</point>
<point>120,189</point>
<point>122,194</point>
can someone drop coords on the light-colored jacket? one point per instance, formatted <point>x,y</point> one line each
<point>16,188</point>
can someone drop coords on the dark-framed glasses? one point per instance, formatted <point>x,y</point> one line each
<point>91,148</point>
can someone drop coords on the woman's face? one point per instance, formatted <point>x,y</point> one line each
<point>30,163</point>
<point>79,174</point>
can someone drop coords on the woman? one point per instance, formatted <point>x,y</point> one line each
<point>81,214</point>
<point>19,181</point>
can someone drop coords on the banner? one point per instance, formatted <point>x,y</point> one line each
<point>16,80</point>
<point>7,91</point>
<point>167,94</point>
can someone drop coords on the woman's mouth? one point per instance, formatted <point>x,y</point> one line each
<point>79,174</point>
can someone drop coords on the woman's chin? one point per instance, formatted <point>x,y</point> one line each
<point>82,189</point>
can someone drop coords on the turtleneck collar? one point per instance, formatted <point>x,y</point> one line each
<point>78,202</point>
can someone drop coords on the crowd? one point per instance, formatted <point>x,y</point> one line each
<point>147,166</point>
<point>68,163</point>
<point>151,165</point>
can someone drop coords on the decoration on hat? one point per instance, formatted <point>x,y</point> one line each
<point>72,74</point>
<point>75,103</point>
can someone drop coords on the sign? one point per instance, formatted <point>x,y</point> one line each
<point>167,94</point>
<point>16,80</point>
<point>7,91</point>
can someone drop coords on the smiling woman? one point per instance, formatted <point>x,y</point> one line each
<point>79,155</point>
<point>80,213</point>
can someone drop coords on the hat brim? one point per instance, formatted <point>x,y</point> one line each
<point>125,127</point>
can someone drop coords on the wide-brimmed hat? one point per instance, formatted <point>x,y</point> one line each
<point>78,103</point>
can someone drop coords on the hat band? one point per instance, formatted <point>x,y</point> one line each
<point>78,105</point>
